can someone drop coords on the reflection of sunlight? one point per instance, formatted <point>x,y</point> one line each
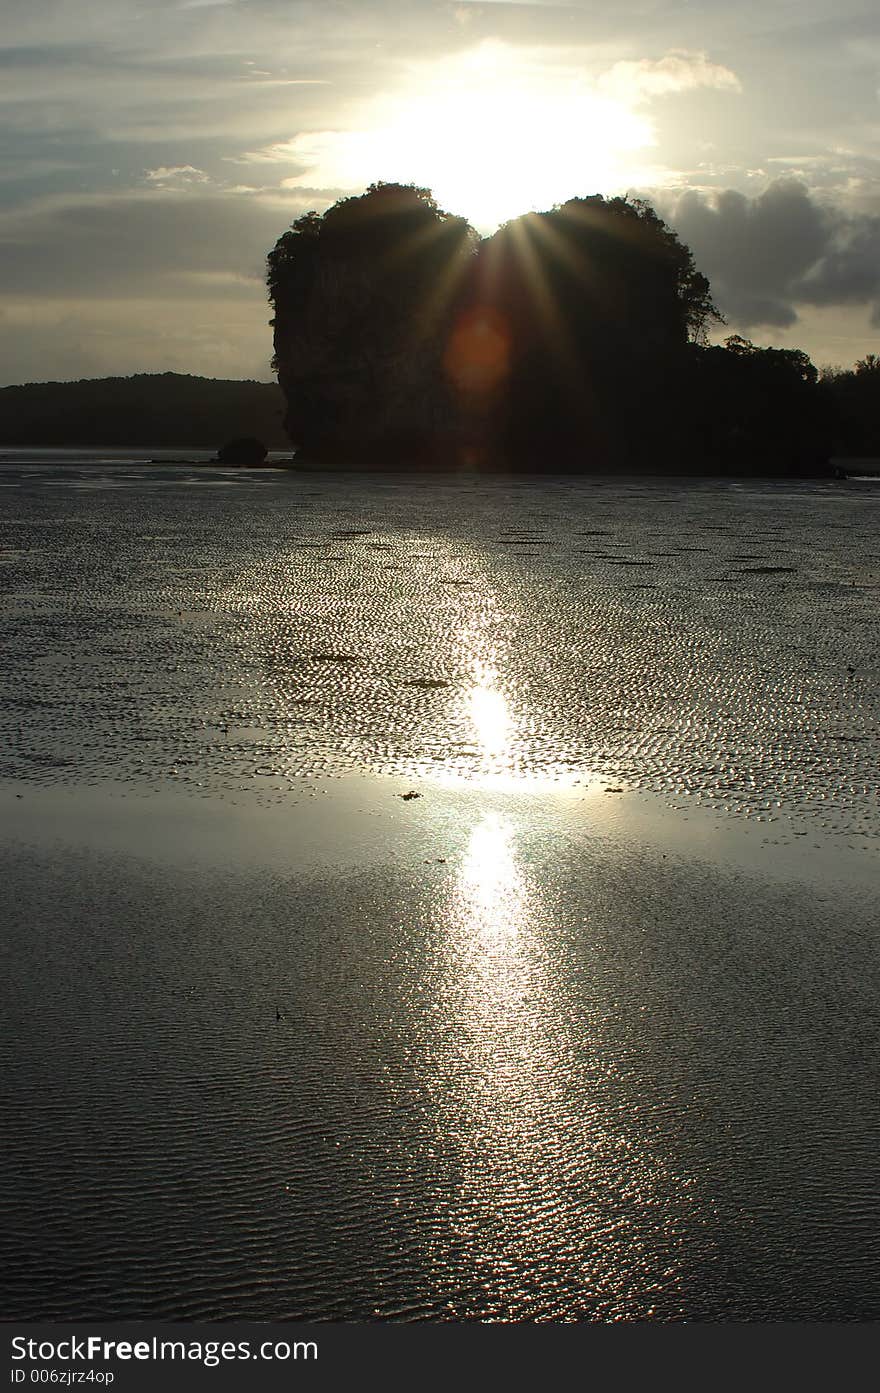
<point>496,968</point>
<point>494,726</point>
<point>491,719</point>
<point>552,1207</point>
<point>503,1073</point>
<point>489,739</point>
<point>490,882</point>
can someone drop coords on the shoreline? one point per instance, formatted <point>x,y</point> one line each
<point>367,818</point>
<point>839,469</point>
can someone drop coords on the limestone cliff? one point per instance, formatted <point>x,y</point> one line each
<point>363,299</point>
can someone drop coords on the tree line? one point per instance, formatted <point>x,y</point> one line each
<point>160,410</point>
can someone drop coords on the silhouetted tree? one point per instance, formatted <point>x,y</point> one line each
<point>759,410</point>
<point>853,399</point>
<point>148,409</point>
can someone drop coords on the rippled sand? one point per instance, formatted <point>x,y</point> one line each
<point>545,1049</point>
<point>714,643</point>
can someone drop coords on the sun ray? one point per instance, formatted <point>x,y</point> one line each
<point>557,333</point>
<point>494,131</point>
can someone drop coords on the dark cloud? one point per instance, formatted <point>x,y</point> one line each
<point>849,271</point>
<point>127,245</point>
<point>783,249</point>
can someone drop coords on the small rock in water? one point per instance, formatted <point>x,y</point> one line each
<point>407,796</point>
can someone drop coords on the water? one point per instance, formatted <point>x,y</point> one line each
<point>587,1030</point>
<point>711,643</point>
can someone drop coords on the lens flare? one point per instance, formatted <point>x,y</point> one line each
<point>477,357</point>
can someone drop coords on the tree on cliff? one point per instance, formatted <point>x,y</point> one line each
<point>611,265</point>
<point>362,297</point>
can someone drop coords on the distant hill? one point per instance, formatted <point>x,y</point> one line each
<point>165,410</point>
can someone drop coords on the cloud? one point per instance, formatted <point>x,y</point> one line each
<point>493,129</point>
<point>176,176</point>
<point>279,152</point>
<point>680,70</point>
<point>769,256</point>
<point>849,270</point>
<point>108,245</point>
<point>151,281</point>
<point>129,118</point>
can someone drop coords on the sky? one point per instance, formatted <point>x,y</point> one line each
<point>154,150</point>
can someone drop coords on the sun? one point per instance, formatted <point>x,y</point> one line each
<point>493,132</point>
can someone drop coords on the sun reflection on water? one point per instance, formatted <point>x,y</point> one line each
<point>490,717</point>
<point>490,882</point>
<point>554,1204</point>
<point>494,955</point>
<point>494,975</point>
<point>489,728</point>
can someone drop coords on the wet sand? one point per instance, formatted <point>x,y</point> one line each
<point>588,1029</point>
<point>528,1064</point>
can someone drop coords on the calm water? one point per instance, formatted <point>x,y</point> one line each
<point>589,1029</point>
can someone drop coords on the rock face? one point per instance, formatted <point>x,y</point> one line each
<point>363,298</point>
<point>400,337</point>
<point>245,450</point>
<point>573,339</point>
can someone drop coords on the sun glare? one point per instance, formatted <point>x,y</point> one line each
<point>491,720</point>
<point>490,883</point>
<point>492,133</point>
